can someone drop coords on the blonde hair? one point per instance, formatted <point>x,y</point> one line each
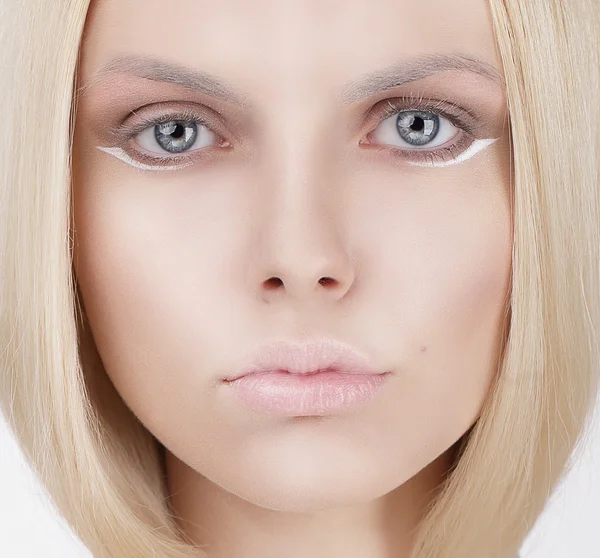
<point>105,471</point>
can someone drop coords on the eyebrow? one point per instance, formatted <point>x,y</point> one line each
<point>414,69</point>
<point>401,73</point>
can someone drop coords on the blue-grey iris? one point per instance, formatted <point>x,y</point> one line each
<point>417,127</point>
<point>176,137</point>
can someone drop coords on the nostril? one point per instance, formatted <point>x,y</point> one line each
<point>273,282</point>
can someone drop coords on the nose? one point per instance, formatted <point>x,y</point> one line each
<point>301,255</point>
<point>300,249</point>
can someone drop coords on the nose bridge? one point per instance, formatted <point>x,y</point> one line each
<point>301,241</point>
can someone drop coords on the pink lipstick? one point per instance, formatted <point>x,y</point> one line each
<point>317,377</point>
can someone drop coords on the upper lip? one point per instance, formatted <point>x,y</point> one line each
<point>304,357</point>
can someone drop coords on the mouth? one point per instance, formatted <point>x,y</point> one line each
<point>303,379</point>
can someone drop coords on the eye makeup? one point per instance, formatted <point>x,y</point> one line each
<point>467,142</point>
<point>473,149</point>
<point>121,154</point>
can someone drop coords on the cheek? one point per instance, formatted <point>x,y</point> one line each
<point>131,256</point>
<point>467,268</point>
<point>474,267</point>
<point>442,267</point>
<point>151,259</point>
<point>446,259</point>
<point>448,289</point>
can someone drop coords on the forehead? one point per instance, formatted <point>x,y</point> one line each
<point>306,45</point>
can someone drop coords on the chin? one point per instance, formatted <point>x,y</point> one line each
<point>311,480</point>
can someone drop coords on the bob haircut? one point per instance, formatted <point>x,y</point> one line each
<point>105,472</point>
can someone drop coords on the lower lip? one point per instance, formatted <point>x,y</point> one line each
<point>318,393</point>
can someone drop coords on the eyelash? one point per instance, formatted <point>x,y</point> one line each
<point>456,115</point>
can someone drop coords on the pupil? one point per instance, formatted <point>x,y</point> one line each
<point>418,124</point>
<point>178,131</point>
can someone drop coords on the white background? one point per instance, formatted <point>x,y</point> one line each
<point>568,528</point>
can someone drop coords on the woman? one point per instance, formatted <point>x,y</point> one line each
<point>300,278</point>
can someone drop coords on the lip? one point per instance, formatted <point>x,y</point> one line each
<point>314,377</point>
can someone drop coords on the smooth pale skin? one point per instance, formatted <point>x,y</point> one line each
<point>173,267</point>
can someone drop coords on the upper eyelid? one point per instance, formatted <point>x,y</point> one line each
<point>458,115</point>
<point>202,116</point>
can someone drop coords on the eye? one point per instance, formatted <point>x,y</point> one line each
<point>168,140</point>
<point>426,132</point>
<point>415,129</point>
<point>175,136</point>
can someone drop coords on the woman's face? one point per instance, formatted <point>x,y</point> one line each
<point>199,239</point>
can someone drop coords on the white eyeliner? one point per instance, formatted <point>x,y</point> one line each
<point>474,148</point>
<point>120,154</point>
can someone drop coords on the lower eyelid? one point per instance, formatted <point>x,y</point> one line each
<point>121,154</point>
<point>422,157</point>
<point>474,147</point>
